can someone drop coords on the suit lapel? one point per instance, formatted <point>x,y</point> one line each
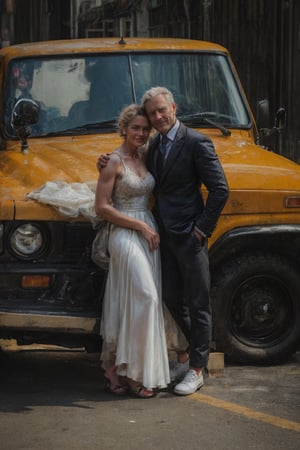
<point>152,155</point>
<point>173,155</point>
<point>174,152</point>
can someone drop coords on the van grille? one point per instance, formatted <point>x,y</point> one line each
<point>77,240</point>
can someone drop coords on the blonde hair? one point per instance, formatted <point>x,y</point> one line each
<point>128,114</point>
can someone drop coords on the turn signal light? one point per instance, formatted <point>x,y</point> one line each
<point>35,281</point>
<point>292,202</point>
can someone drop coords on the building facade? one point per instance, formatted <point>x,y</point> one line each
<point>262,36</point>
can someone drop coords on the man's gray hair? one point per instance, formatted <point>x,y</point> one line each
<point>154,92</point>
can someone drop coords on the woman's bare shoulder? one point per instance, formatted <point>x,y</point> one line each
<point>114,158</point>
<point>114,163</point>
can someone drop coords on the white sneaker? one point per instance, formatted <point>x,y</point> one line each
<point>178,370</point>
<point>190,384</point>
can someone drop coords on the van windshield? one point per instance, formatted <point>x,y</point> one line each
<point>85,94</point>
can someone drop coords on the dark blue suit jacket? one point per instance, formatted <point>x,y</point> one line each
<point>179,204</point>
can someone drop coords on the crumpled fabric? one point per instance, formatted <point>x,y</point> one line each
<point>70,199</point>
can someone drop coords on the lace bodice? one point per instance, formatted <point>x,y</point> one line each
<point>131,192</point>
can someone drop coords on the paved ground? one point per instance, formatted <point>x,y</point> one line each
<point>55,400</point>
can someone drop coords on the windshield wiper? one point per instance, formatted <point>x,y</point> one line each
<point>107,125</point>
<point>194,119</point>
<point>99,125</point>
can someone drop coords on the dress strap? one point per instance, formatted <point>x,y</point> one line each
<point>126,168</point>
<point>121,159</point>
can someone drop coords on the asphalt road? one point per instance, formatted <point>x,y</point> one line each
<point>53,399</point>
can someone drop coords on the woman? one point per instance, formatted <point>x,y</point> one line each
<point>134,353</point>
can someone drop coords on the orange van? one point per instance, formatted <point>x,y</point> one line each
<point>58,109</point>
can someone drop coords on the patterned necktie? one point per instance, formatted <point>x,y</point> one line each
<point>161,155</point>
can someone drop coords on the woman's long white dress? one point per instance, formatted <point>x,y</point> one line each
<point>136,328</point>
<point>133,322</point>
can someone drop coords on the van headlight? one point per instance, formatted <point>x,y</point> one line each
<point>26,240</point>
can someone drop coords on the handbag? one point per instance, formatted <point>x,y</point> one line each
<point>100,254</point>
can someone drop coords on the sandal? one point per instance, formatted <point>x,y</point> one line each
<point>115,389</point>
<point>139,391</point>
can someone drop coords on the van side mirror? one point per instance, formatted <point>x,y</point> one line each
<point>264,130</point>
<point>25,112</point>
<point>263,114</point>
<point>280,119</point>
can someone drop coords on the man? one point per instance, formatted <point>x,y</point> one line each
<point>185,222</point>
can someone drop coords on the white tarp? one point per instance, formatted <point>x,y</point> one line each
<point>70,199</point>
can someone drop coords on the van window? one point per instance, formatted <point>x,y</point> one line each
<point>199,83</point>
<point>87,94</point>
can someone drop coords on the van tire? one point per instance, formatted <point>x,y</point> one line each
<point>256,308</point>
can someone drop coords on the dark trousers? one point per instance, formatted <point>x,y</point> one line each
<point>186,286</point>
